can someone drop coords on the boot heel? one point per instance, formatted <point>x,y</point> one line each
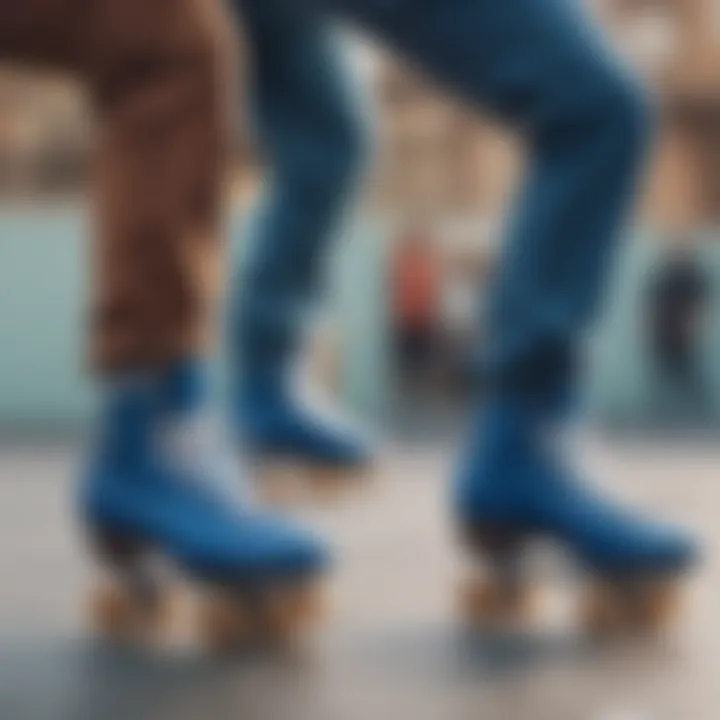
<point>494,540</point>
<point>497,591</point>
<point>114,548</point>
<point>129,600</point>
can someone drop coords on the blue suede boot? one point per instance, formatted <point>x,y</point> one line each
<point>310,125</point>
<point>516,488</point>
<point>281,435</point>
<point>156,486</point>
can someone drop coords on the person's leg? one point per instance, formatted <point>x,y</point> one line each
<point>539,66</point>
<point>543,70</point>
<point>157,79</point>
<point>159,84</point>
<point>309,127</point>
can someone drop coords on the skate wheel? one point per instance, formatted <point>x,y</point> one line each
<point>629,609</point>
<point>118,611</point>
<point>330,484</point>
<point>482,601</point>
<point>289,611</point>
<point>277,616</point>
<point>225,621</point>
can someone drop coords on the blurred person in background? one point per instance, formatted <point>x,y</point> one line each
<point>678,300</point>
<point>158,75</point>
<point>416,293</point>
<point>540,67</point>
<point>462,322</point>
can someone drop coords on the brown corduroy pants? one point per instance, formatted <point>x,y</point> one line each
<point>159,77</point>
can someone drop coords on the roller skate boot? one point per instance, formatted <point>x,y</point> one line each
<point>516,489</point>
<point>162,507</point>
<point>297,452</point>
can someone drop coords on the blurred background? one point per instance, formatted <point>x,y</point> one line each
<point>394,344</point>
<point>405,309</point>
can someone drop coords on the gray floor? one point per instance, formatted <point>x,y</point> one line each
<point>391,648</point>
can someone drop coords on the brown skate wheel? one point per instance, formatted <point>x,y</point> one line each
<point>287,611</point>
<point>603,610</point>
<point>311,603</point>
<point>225,621</point>
<point>329,484</point>
<point>486,601</point>
<point>277,615</point>
<point>630,607</point>
<point>118,610</point>
<point>652,605</point>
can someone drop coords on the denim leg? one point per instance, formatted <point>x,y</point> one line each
<point>312,137</point>
<point>544,70</point>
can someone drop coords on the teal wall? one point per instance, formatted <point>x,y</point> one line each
<point>360,298</point>
<point>43,289</point>
<point>43,281</point>
<point>43,270</point>
<point>621,381</point>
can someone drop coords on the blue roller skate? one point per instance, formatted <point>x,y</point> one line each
<point>157,494</point>
<point>296,449</point>
<point>516,489</point>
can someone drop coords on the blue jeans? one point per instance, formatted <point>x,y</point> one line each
<point>311,133</point>
<point>539,66</point>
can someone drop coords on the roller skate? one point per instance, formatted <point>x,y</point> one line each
<point>296,452</point>
<point>164,511</point>
<point>516,490</point>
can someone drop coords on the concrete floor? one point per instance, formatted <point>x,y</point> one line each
<point>391,647</point>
